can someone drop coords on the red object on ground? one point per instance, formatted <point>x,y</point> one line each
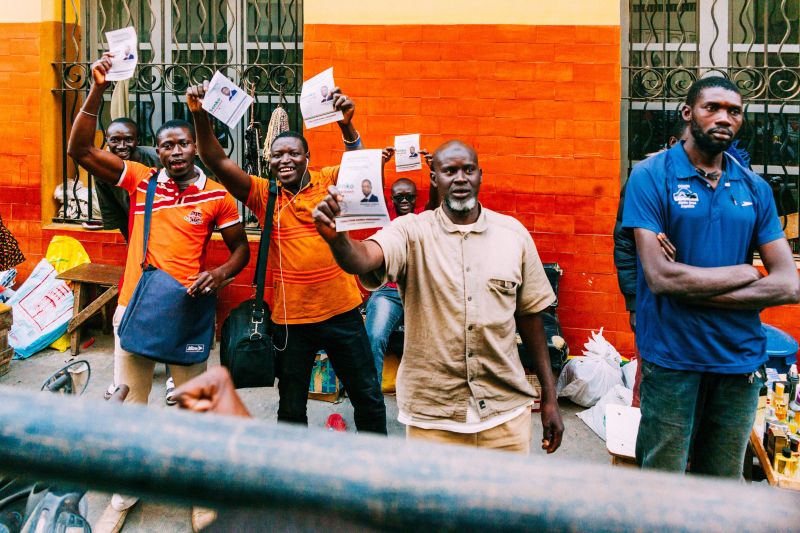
<point>87,343</point>
<point>336,423</point>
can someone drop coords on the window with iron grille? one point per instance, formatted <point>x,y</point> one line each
<point>256,43</point>
<point>755,43</point>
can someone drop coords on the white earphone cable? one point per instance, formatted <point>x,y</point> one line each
<point>280,264</point>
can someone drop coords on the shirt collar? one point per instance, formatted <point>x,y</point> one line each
<point>198,185</point>
<point>448,225</point>
<point>685,170</point>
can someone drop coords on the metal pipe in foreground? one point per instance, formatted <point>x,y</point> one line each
<point>385,483</point>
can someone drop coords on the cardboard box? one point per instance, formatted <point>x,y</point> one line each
<point>5,360</point>
<point>6,317</point>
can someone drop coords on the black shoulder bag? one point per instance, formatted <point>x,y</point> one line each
<point>246,348</point>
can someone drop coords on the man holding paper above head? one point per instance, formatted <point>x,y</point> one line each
<point>187,207</point>
<point>315,303</point>
<point>467,276</point>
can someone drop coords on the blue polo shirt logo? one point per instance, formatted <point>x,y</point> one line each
<point>710,227</point>
<point>685,197</point>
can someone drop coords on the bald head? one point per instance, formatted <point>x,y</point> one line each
<point>453,147</point>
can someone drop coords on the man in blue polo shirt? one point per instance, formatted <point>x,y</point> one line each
<point>698,326</point>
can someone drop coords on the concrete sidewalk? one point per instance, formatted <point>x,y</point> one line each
<point>580,444</point>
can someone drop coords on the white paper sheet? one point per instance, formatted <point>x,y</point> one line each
<point>123,44</point>
<point>226,101</point>
<point>316,100</point>
<point>361,186</point>
<point>406,153</point>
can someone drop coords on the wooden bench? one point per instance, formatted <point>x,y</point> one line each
<point>83,278</point>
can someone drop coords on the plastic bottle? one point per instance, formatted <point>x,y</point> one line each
<point>780,403</point>
<point>794,390</point>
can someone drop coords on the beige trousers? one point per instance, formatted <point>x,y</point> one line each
<point>136,371</point>
<point>512,436</point>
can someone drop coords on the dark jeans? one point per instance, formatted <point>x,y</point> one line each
<point>344,339</point>
<point>707,415</point>
<point>384,313</point>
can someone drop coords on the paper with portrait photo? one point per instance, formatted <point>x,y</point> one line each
<point>123,44</point>
<point>316,100</point>
<point>361,186</point>
<point>226,101</point>
<point>406,153</point>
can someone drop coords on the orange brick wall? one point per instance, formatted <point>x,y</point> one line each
<point>541,105</point>
<point>20,138</point>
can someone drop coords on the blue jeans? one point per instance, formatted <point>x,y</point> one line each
<point>384,313</point>
<point>708,416</point>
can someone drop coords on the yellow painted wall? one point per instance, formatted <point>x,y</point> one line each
<point>24,11</point>
<point>526,12</point>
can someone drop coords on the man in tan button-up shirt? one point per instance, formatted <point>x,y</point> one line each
<point>468,277</point>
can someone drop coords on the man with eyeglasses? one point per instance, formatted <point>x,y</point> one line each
<point>384,307</point>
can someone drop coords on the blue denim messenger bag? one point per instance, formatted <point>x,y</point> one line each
<point>162,321</point>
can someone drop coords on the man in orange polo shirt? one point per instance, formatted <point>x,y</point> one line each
<point>186,208</point>
<point>315,303</point>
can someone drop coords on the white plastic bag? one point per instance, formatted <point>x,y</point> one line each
<point>42,309</point>
<point>585,380</point>
<point>595,417</point>
<point>629,373</point>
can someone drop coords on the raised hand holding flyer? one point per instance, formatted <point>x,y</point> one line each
<point>225,100</point>
<point>123,44</point>
<point>406,153</point>
<point>316,100</point>
<point>361,185</point>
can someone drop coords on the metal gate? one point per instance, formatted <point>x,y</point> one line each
<point>256,43</point>
<point>755,43</point>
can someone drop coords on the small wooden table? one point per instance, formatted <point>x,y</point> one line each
<point>82,278</point>
<point>774,479</point>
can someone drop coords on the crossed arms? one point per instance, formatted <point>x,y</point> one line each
<point>731,287</point>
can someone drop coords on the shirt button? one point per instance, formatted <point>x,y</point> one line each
<point>469,298</point>
<point>467,269</point>
<point>469,327</point>
<point>466,237</point>
<point>469,354</point>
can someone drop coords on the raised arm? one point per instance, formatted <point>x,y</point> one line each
<point>665,277</point>
<point>343,103</point>
<point>355,257</point>
<point>232,177</point>
<point>100,163</point>
<point>780,286</point>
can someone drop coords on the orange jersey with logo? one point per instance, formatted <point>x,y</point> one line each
<point>301,270</point>
<point>180,227</point>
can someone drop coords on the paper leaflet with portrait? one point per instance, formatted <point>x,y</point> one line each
<point>361,186</point>
<point>316,100</point>
<point>226,101</point>
<point>123,44</point>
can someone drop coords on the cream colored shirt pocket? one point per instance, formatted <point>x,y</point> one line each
<point>503,287</point>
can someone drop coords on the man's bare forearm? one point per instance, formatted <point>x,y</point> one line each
<point>531,330</point>
<point>770,291</point>
<point>351,255</point>
<point>690,282</point>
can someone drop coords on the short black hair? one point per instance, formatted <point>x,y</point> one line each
<point>291,135</point>
<point>176,123</point>
<point>706,83</point>
<point>126,121</point>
